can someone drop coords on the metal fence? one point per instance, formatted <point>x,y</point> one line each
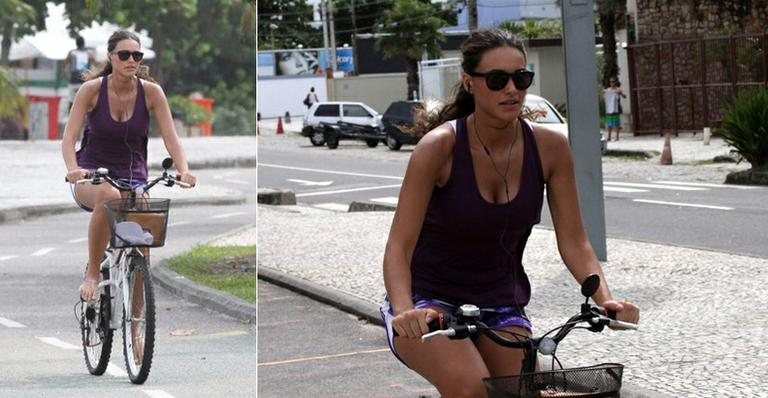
<point>682,84</point>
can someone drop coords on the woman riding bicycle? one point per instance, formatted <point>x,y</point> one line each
<point>114,104</point>
<point>472,192</point>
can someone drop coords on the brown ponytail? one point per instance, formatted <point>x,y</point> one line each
<point>106,69</point>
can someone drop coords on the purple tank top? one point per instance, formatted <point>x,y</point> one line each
<point>121,147</point>
<point>458,257</point>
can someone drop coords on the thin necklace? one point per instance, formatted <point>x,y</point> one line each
<point>488,152</point>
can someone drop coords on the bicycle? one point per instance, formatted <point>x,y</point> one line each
<point>603,380</point>
<point>126,298</point>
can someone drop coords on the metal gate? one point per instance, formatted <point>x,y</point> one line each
<point>682,84</point>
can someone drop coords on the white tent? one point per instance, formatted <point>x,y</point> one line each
<point>54,43</point>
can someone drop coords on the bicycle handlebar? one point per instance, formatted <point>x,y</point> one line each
<point>102,173</point>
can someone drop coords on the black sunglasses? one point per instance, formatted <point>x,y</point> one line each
<point>124,54</point>
<point>497,79</point>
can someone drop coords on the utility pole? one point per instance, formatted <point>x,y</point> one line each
<point>472,15</point>
<point>333,35</point>
<point>324,18</point>
<point>583,122</point>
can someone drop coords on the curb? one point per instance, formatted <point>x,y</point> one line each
<point>202,295</point>
<point>370,312</point>
<point>368,206</point>
<point>272,196</point>
<point>27,212</point>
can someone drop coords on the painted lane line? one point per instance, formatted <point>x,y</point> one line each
<point>346,173</point>
<point>78,240</point>
<point>332,206</point>
<point>3,258</point>
<point>58,343</point>
<point>701,184</point>
<point>116,371</point>
<point>177,223</point>
<point>43,251</point>
<point>322,357</point>
<point>10,324</point>
<point>225,215</point>
<point>309,183</point>
<point>626,190</point>
<point>158,394</point>
<point>657,186</point>
<point>659,202</point>
<point>301,195</point>
<point>390,200</point>
<point>242,182</point>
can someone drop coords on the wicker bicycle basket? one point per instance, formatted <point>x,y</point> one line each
<point>602,380</point>
<point>149,213</point>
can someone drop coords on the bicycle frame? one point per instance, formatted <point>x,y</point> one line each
<point>117,262</point>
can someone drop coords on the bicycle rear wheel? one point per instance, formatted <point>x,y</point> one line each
<point>95,332</point>
<point>138,321</point>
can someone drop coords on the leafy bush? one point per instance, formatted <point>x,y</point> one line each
<point>235,120</point>
<point>745,127</point>
<point>186,110</point>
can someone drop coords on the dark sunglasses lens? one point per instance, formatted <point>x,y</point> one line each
<point>522,79</point>
<point>496,80</point>
<point>137,55</point>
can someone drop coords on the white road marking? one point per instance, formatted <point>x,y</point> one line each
<point>177,223</point>
<point>701,184</point>
<point>659,202</point>
<point>301,195</point>
<point>309,183</point>
<point>390,200</point>
<point>116,371</point>
<point>225,215</point>
<point>277,166</point>
<point>241,182</point>
<point>158,394</point>
<point>656,186</point>
<point>3,258</point>
<point>58,343</point>
<point>333,206</point>
<point>43,251</point>
<point>626,190</point>
<point>78,240</point>
<point>10,324</point>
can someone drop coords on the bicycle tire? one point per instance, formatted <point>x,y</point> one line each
<point>95,333</point>
<point>138,371</point>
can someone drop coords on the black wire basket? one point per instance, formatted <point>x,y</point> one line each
<point>602,380</point>
<point>150,214</point>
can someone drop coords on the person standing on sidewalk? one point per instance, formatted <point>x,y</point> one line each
<point>79,61</point>
<point>114,104</point>
<point>612,97</point>
<point>472,192</point>
<point>311,98</point>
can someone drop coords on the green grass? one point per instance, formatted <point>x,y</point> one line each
<point>231,269</point>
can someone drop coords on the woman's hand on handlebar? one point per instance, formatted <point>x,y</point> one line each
<point>413,323</point>
<point>187,177</point>
<point>76,175</point>
<point>625,311</point>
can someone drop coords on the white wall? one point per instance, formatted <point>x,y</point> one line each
<point>276,96</point>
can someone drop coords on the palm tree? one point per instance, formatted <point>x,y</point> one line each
<point>610,14</point>
<point>11,101</point>
<point>534,29</point>
<point>412,28</point>
<point>13,13</point>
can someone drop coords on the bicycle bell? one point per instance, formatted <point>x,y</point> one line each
<point>468,311</point>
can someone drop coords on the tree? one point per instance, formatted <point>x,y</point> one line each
<point>412,28</point>
<point>286,24</point>
<point>534,29</point>
<point>18,18</point>
<point>11,101</point>
<point>356,16</point>
<point>610,15</point>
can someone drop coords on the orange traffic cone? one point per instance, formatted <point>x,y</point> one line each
<point>666,153</point>
<point>279,125</point>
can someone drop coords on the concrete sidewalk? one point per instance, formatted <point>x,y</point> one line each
<point>688,321</point>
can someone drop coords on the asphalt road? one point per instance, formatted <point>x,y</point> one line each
<point>309,349</point>
<point>199,353</point>
<point>715,217</point>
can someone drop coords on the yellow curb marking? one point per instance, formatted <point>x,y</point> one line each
<point>346,354</point>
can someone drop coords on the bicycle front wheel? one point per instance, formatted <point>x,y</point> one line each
<point>138,321</point>
<point>95,332</point>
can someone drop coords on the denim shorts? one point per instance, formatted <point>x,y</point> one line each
<point>134,183</point>
<point>495,317</point>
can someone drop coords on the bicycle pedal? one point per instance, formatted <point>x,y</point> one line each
<point>90,313</point>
